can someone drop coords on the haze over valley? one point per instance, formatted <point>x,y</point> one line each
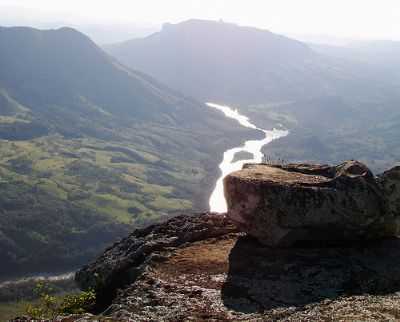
<point>72,115</point>
<point>106,127</point>
<point>324,94</point>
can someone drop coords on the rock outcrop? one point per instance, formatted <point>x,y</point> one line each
<point>199,268</point>
<point>288,204</point>
<point>123,262</point>
<point>203,268</point>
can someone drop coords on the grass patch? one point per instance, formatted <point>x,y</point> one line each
<point>10,310</point>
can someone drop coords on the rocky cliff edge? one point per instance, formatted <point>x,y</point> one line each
<point>204,268</point>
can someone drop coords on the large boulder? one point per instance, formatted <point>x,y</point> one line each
<point>288,204</point>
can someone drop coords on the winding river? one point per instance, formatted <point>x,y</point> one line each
<point>217,200</point>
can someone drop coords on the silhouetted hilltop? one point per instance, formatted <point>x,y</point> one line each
<point>43,68</point>
<point>233,64</point>
<point>216,61</point>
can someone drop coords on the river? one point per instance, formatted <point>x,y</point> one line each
<point>37,278</point>
<point>217,200</point>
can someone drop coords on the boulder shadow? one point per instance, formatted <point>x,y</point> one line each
<point>262,278</point>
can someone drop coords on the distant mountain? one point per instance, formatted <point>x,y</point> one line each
<point>216,61</point>
<point>89,148</point>
<point>233,64</point>
<point>58,68</point>
<point>383,55</point>
<point>333,99</point>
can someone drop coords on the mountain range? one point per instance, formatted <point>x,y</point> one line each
<point>216,61</point>
<point>338,103</point>
<point>95,142</point>
<point>90,148</point>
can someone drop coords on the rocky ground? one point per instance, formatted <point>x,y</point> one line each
<point>203,268</point>
<point>199,273</point>
<point>232,278</point>
<point>215,274</point>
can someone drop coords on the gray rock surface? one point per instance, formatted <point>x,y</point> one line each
<point>202,268</point>
<point>123,262</point>
<point>221,275</point>
<point>390,181</point>
<point>284,205</point>
<point>237,279</point>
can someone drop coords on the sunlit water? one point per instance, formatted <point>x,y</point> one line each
<point>37,278</point>
<point>227,166</point>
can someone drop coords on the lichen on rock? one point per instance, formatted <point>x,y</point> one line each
<point>284,205</point>
<point>212,272</point>
<point>205,267</point>
<point>122,263</point>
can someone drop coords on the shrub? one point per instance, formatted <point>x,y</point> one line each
<point>77,303</point>
<point>49,306</point>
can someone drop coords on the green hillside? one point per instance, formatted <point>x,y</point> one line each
<point>90,149</point>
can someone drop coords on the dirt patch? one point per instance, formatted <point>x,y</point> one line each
<point>210,256</point>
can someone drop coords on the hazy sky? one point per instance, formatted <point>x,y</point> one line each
<point>343,18</point>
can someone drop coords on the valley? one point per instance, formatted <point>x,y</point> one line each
<point>90,150</point>
<point>84,160</point>
<point>339,103</point>
<point>98,142</point>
